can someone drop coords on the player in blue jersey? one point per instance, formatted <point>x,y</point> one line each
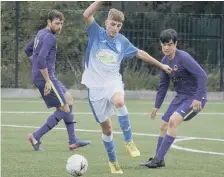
<point>105,52</point>
<point>42,50</point>
<point>189,81</point>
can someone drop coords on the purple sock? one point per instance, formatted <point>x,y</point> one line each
<point>160,140</point>
<point>164,147</point>
<point>70,126</point>
<point>51,122</point>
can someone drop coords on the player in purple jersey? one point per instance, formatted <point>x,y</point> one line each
<point>189,81</point>
<point>42,50</point>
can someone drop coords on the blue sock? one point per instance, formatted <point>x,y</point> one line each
<point>108,142</point>
<point>124,123</point>
<point>164,147</point>
<point>51,122</point>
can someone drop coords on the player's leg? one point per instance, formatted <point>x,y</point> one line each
<point>109,145</point>
<point>175,120</point>
<point>102,110</point>
<point>69,121</point>
<point>175,103</point>
<point>124,122</point>
<point>163,129</point>
<point>184,112</point>
<point>54,99</point>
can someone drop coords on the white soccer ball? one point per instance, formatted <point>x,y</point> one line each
<point>76,165</point>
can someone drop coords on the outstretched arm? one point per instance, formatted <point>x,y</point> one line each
<point>141,54</point>
<point>88,14</point>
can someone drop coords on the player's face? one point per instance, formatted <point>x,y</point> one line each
<point>55,25</point>
<point>169,48</point>
<point>113,27</point>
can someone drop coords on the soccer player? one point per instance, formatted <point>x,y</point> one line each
<point>189,81</point>
<point>106,49</point>
<point>42,50</point>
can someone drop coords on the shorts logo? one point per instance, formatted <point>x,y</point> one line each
<point>182,111</point>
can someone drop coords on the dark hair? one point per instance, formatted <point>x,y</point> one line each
<point>167,35</point>
<point>54,14</point>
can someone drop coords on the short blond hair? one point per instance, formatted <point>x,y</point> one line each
<point>116,15</point>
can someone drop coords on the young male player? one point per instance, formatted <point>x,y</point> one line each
<point>189,81</point>
<point>43,51</point>
<point>106,49</point>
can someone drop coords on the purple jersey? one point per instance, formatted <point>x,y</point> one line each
<point>43,51</point>
<point>188,77</point>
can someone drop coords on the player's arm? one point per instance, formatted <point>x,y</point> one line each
<point>141,54</point>
<point>47,44</point>
<point>131,51</point>
<point>28,49</point>
<point>88,13</point>
<point>162,90</point>
<point>195,69</point>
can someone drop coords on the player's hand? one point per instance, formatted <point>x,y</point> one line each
<point>47,88</point>
<point>166,68</point>
<point>196,105</point>
<point>153,114</point>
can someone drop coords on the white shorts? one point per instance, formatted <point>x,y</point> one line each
<point>100,102</point>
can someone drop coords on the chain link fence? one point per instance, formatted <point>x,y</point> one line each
<point>201,35</point>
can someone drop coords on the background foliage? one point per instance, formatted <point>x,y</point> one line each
<point>197,23</point>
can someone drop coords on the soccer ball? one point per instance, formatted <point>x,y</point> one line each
<point>76,165</point>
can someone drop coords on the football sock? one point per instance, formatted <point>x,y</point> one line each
<point>51,122</point>
<point>164,147</point>
<point>108,142</point>
<point>124,123</point>
<point>160,140</point>
<point>69,121</point>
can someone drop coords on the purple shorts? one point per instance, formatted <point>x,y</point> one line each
<point>56,98</point>
<point>182,106</point>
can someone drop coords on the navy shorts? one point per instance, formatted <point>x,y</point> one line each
<point>182,106</point>
<point>56,98</point>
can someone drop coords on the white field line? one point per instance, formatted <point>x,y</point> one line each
<point>182,138</point>
<point>90,113</point>
<point>86,102</point>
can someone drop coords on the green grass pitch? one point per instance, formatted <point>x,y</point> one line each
<point>20,117</point>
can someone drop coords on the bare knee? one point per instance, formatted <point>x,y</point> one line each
<point>172,124</point>
<point>119,104</point>
<point>69,98</point>
<point>175,120</point>
<point>164,127</point>
<point>64,108</point>
<point>106,128</point>
<point>118,100</point>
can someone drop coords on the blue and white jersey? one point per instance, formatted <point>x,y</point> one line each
<point>104,56</point>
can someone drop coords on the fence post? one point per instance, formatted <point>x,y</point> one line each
<point>17,45</point>
<point>222,54</point>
